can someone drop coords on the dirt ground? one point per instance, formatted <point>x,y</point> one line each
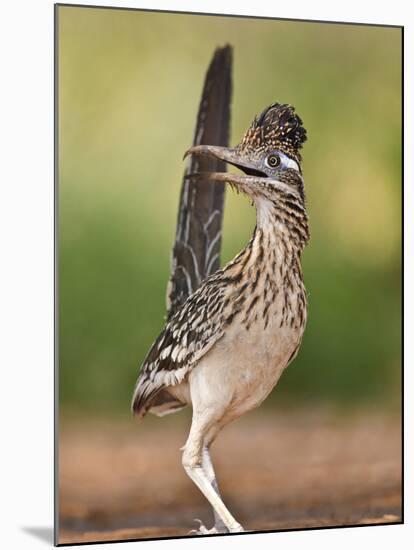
<point>278,470</point>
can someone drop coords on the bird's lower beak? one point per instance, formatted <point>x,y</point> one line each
<point>226,154</point>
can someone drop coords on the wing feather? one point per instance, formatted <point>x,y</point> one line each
<point>187,336</point>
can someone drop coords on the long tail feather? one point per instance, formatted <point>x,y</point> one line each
<point>196,251</point>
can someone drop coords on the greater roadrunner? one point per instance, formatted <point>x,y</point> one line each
<point>225,346</point>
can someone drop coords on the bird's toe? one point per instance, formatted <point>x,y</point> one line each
<point>202,529</point>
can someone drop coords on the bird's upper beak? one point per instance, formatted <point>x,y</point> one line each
<point>231,156</point>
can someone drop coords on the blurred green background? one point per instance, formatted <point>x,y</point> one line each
<point>129,84</point>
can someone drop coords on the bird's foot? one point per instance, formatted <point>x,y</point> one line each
<point>202,529</point>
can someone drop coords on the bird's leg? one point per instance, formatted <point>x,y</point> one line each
<point>192,461</point>
<point>207,466</point>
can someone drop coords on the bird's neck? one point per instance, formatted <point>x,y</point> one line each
<point>279,237</point>
<point>282,219</point>
<point>266,277</point>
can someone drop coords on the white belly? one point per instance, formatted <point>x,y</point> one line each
<point>242,368</point>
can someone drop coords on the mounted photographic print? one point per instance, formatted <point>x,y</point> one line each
<point>228,275</point>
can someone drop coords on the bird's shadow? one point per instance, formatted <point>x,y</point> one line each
<point>43,533</point>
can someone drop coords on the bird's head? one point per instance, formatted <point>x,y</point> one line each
<point>269,155</point>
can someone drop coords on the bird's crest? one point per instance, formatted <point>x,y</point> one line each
<point>277,127</point>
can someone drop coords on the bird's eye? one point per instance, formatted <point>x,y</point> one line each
<point>273,161</point>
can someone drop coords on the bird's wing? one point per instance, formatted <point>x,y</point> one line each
<point>196,251</point>
<point>187,336</point>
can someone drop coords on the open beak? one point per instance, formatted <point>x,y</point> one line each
<point>231,156</point>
